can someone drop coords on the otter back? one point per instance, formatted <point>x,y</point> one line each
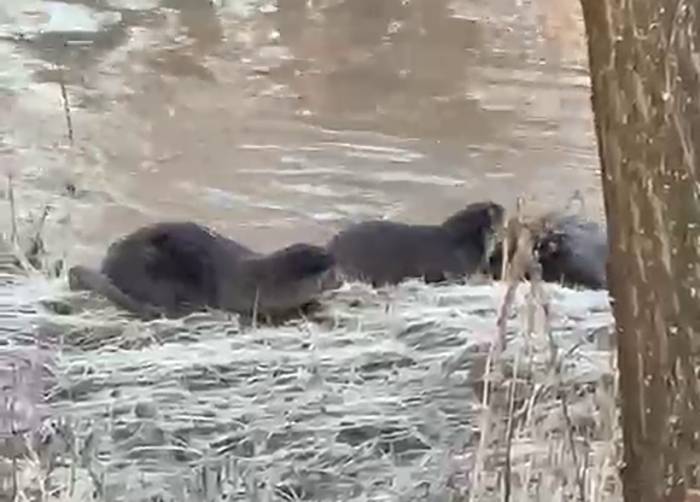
<point>385,252</point>
<point>176,268</point>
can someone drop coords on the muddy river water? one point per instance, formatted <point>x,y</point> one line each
<point>276,122</point>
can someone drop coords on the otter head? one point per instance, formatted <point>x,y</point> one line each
<point>479,224</point>
<point>287,279</point>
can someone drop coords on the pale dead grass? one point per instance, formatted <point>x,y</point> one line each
<point>546,433</point>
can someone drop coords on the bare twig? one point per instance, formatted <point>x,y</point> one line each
<point>502,322</point>
<point>520,263</point>
<point>66,105</point>
<point>505,253</point>
<point>14,238</point>
<point>539,298</point>
<point>509,429</point>
<point>485,423</point>
<point>255,308</point>
<point>572,445</point>
<point>17,250</point>
<point>36,245</point>
<point>15,482</point>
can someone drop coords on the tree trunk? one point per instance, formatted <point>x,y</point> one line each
<point>645,75</point>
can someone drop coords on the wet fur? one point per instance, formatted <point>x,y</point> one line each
<point>386,252</point>
<point>571,250</point>
<point>173,269</point>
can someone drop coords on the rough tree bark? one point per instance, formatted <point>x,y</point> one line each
<point>645,75</point>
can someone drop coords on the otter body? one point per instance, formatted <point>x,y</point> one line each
<point>174,269</point>
<point>571,251</point>
<point>386,252</point>
<point>574,252</point>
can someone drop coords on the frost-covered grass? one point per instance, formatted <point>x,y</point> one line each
<point>381,397</point>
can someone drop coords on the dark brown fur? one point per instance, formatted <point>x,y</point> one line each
<point>173,269</point>
<point>386,252</point>
<point>571,251</point>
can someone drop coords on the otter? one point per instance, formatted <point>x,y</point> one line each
<point>571,250</point>
<point>385,252</point>
<point>172,269</point>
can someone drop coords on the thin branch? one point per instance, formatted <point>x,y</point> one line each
<point>66,105</point>
<point>572,445</point>
<point>509,429</point>
<point>13,211</point>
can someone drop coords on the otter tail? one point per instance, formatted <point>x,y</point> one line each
<point>87,279</point>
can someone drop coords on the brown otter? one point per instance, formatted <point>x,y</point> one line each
<point>386,252</point>
<point>176,268</point>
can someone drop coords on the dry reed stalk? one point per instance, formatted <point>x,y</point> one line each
<point>508,483</point>
<point>14,238</point>
<point>255,309</point>
<point>25,259</point>
<point>515,270</point>
<point>66,106</point>
<point>475,489</point>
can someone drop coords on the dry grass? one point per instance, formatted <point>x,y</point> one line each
<point>546,430</point>
<point>32,444</point>
<point>545,433</point>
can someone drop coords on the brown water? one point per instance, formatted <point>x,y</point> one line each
<point>276,122</point>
